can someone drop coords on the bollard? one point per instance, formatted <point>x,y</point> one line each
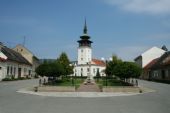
<point>36,89</point>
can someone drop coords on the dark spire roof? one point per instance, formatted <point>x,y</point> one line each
<point>85,27</point>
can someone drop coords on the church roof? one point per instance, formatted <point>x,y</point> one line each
<point>98,62</point>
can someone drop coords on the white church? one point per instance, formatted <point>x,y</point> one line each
<point>85,64</point>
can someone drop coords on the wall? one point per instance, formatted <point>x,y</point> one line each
<point>84,55</point>
<point>150,55</point>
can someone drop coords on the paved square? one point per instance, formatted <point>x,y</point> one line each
<point>14,102</point>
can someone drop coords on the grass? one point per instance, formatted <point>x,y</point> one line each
<point>68,82</point>
<point>111,82</point>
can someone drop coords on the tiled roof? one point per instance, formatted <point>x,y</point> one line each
<point>98,62</point>
<point>164,60</point>
<point>14,56</point>
<point>2,59</point>
<point>150,64</point>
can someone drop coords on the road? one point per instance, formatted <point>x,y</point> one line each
<point>14,102</point>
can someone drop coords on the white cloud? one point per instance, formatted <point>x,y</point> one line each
<point>143,6</point>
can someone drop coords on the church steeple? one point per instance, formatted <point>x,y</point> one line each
<point>85,27</point>
<point>85,38</point>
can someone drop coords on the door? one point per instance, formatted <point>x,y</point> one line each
<point>19,72</point>
<point>163,74</point>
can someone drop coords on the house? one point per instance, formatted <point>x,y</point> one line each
<point>147,59</point>
<point>27,54</point>
<point>160,70</point>
<point>149,55</point>
<point>85,64</point>
<point>13,64</point>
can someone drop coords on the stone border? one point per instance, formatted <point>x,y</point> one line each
<point>83,94</point>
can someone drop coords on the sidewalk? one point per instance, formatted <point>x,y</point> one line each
<point>91,87</point>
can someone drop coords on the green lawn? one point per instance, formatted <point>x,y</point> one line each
<point>111,82</point>
<point>68,82</point>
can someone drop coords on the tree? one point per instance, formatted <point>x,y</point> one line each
<point>127,70</point>
<point>111,65</point>
<point>123,70</point>
<point>64,61</point>
<point>50,69</point>
<point>98,75</point>
<point>42,69</point>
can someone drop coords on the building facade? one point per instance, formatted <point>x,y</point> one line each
<point>29,56</point>
<point>160,70</point>
<point>146,59</point>
<point>13,64</point>
<point>86,65</point>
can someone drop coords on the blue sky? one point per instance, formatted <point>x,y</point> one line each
<point>122,27</point>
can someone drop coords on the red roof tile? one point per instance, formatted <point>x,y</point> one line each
<point>98,62</point>
<point>150,64</point>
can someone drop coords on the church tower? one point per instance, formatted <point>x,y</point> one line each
<point>84,49</point>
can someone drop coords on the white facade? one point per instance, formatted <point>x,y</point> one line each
<point>9,69</point>
<point>13,65</point>
<point>85,70</point>
<point>84,55</point>
<point>149,55</point>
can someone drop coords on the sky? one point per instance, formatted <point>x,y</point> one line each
<point>125,28</point>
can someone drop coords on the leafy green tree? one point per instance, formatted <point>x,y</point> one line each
<point>111,65</point>
<point>123,70</point>
<point>50,69</point>
<point>64,61</point>
<point>127,70</point>
<point>42,69</point>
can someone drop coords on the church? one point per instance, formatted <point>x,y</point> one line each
<point>85,64</point>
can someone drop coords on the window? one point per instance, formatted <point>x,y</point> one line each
<point>11,70</point>
<point>88,69</point>
<point>82,50</point>
<point>81,69</point>
<point>25,70</point>
<point>14,70</point>
<point>8,70</point>
<point>155,74</point>
<point>29,72</point>
<point>0,68</point>
<point>81,58</point>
